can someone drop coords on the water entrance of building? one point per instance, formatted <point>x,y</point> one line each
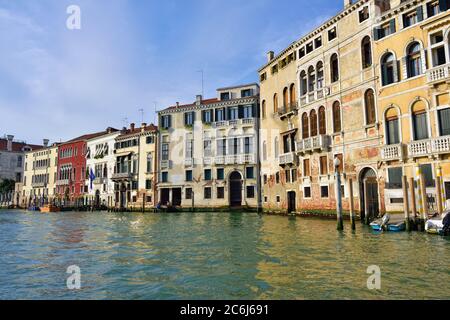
<point>235,189</point>
<point>291,199</point>
<point>123,195</point>
<point>370,207</point>
<point>97,199</point>
<point>165,196</point>
<point>176,197</point>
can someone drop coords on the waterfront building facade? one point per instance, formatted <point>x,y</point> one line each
<point>413,63</point>
<point>136,166</point>
<point>100,164</point>
<point>12,155</point>
<point>330,114</point>
<point>208,151</point>
<point>40,173</point>
<point>72,173</point>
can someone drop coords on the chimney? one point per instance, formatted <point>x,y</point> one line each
<point>143,126</point>
<point>124,130</point>
<point>9,145</point>
<point>271,55</point>
<point>132,125</point>
<point>198,100</point>
<point>46,141</point>
<point>347,3</point>
<point>178,104</point>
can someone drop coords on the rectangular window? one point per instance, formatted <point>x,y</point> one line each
<point>234,146</point>
<point>324,191</point>
<point>207,148</point>
<point>246,93</point>
<point>250,192</point>
<point>393,136</point>
<point>149,163</point>
<point>220,174</point>
<point>324,165</point>
<point>248,145</point>
<point>444,121</point>
<point>250,172</point>
<point>166,121</point>
<point>432,8</point>
<point>307,192</point>
<point>208,175</point>
<point>189,118</point>
<point>247,112</point>
<point>294,175</point>
<point>220,193</point>
<point>207,116</point>
<point>148,184</point>
<point>309,47</point>
<point>287,174</point>
<point>332,34</point>
<point>188,175</point>
<point>233,113</point>
<point>410,19</point>
<point>221,147</point>
<point>220,115</point>
<point>207,193</point>
<point>420,126</point>
<point>395,178</point>
<point>318,42</point>
<point>188,193</point>
<point>165,152</point>
<point>427,171</point>
<point>306,168</point>
<point>364,14</point>
<point>165,177</point>
<point>150,140</point>
<point>225,96</point>
<point>189,149</point>
<point>301,53</point>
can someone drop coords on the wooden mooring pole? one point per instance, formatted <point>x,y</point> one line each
<point>406,203</point>
<point>352,205</point>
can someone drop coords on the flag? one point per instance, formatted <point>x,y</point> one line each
<point>91,179</point>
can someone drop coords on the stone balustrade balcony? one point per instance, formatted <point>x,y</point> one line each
<point>318,143</point>
<point>439,73</point>
<point>392,152</point>
<point>287,159</point>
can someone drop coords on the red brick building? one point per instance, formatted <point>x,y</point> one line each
<point>71,173</point>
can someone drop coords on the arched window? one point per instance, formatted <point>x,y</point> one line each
<point>420,120</point>
<point>388,69</point>
<point>366,52</point>
<point>285,97</point>
<point>320,75</point>
<point>313,119</point>
<point>303,83</point>
<point>392,127</point>
<point>322,121</point>
<point>275,103</point>
<point>337,117</point>
<point>305,126</point>
<point>334,67</point>
<point>292,95</point>
<point>414,60</point>
<point>263,108</point>
<point>277,147</point>
<point>311,79</point>
<point>369,102</point>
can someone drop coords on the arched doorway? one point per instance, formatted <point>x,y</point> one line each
<point>235,189</point>
<point>291,197</point>
<point>370,207</point>
<point>97,199</point>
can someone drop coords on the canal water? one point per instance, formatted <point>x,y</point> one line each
<point>213,256</point>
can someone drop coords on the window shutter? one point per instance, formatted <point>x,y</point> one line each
<point>404,65</point>
<point>392,26</point>
<point>444,122</point>
<point>395,69</point>
<point>376,33</point>
<point>170,121</point>
<point>423,60</point>
<point>419,13</point>
<point>203,116</point>
<point>384,75</point>
<point>443,5</point>
<point>254,111</point>
<point>193,117</point>
<point>215,114</point>
<point>185,119</point>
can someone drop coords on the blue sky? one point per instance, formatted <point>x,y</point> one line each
<point>57,83</point>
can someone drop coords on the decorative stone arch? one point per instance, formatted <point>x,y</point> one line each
<point>235,180</point>
<point>375,98</point>
<point>369,193</point>
<point>364,37</point>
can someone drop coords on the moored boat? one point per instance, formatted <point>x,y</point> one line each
<point>387,223</point>
<point>50,208</point>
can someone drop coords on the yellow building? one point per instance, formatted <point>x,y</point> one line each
<point>39,182</point>
<point>412,55</point>
<point>319,94</point>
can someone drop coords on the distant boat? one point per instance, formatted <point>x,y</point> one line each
<point>49,208</point>
<point>33,208</point>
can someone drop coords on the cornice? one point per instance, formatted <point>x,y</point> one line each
<point>226,103</point>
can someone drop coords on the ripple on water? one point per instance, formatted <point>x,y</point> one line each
<point>212,256</point>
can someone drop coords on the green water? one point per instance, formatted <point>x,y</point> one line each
<point>213,256</point>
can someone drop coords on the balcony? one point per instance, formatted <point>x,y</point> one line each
<point>207,161</point>
<point>234,159</point>
<point>420,148</point>
<point>220,124</point>
<point>248,121</point>
<point>235,122</point>
<point>165,164</point>
<point>38,184</point>
<point>287,158</point>
<point>220,160</point>
<point>441,145</point>
<point>392,152</point>
<point>248,158</point>
<point>312,96</point>
<point>64,182</point>
<point>189,162</point>
<point>122,176</point>
<point>99,181</point>
<point>287,110</point>
<point>317,143</point>
<point>439,73</point>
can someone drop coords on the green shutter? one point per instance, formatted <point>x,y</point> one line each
<point>419,13</point>
<point>392,26</point>
<point>444,121</point>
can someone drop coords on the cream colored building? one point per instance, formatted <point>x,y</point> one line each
<point>209,151</point>
<point>136,167</point>
<point>39,182</point>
